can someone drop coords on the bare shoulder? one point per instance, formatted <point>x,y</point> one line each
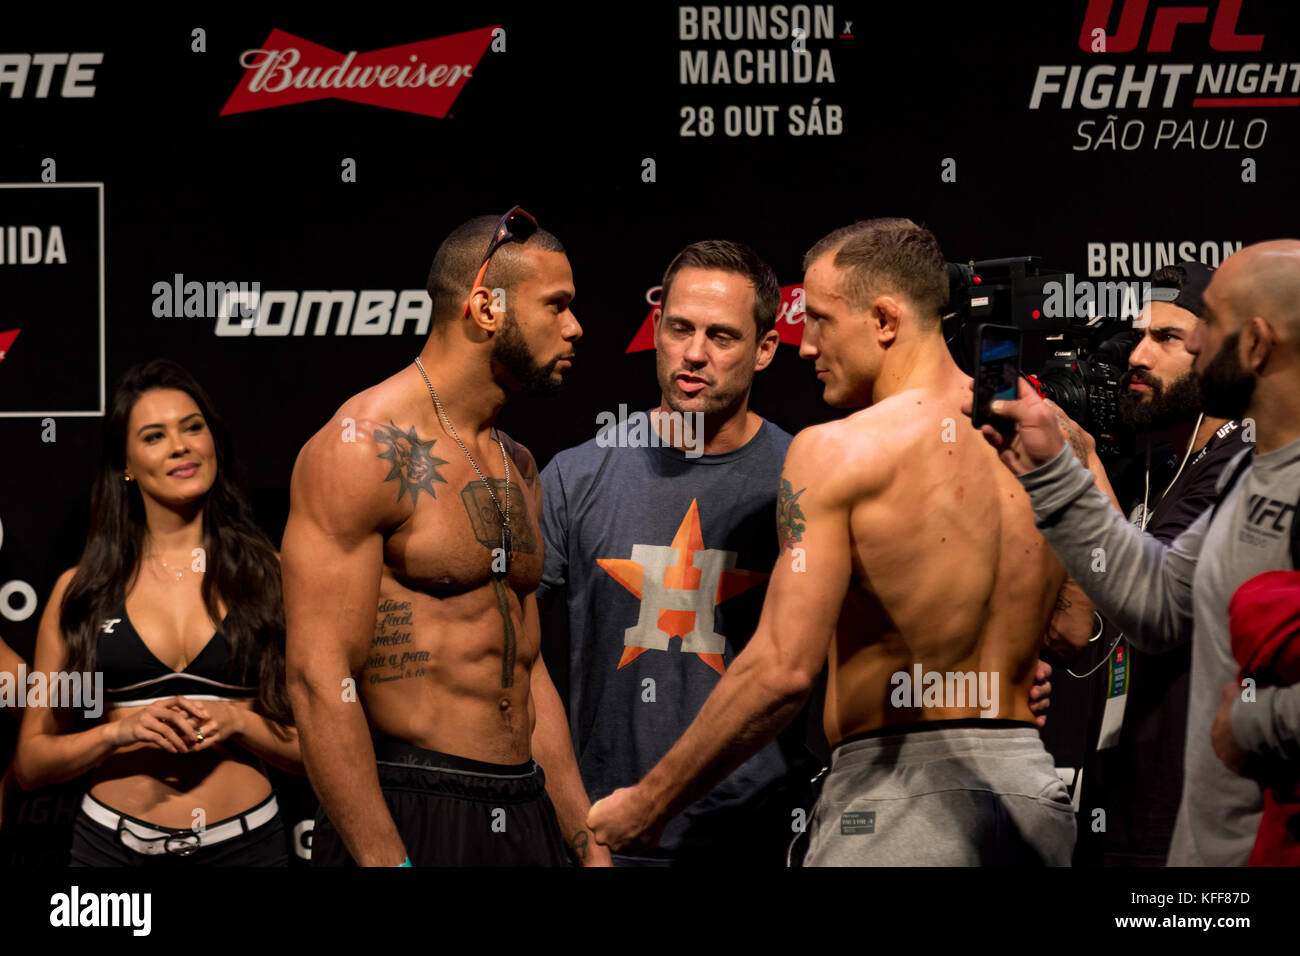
<point>525,463</point>
<point>61,584</point>
<point>369,463</point>
<point>909,426</point>
<point>852,456</point>
<point>54,606</point>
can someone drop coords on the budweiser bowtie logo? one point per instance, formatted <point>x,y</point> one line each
<point>422,77</point>
<point>6,340</point>
<point>789,318</point>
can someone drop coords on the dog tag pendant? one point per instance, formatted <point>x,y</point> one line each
<point>506,544</point>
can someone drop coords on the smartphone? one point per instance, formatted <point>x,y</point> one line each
<point>997,373</point>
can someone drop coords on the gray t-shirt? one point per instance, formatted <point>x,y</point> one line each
<point>664,562</point>
<point>1163,595</point>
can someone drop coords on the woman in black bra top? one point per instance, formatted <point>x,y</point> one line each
<point>190,707</point>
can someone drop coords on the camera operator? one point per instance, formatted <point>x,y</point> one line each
<point>1247,352</point>
<point>1134,769</point>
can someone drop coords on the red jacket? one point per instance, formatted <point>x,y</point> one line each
<point>1264,620</point>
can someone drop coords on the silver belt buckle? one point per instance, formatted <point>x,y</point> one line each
<point>159,845</point>
<point>186,849</point>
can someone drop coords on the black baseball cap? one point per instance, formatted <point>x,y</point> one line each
<point>1186,288</point>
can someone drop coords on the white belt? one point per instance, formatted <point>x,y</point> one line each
<point>152,841</point>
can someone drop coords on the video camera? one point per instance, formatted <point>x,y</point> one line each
<point>1077,363</point>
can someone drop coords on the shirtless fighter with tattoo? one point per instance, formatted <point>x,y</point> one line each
<point>411,555</point>
<point>913,567</point>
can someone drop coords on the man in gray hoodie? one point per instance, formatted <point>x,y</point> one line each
<point>1248,354</point>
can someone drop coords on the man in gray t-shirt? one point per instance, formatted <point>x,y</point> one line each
<point>662,555</point>
<point>1248,354</point>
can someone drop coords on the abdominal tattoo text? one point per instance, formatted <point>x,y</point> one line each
<point>789,516</point>
<point>391,655</point>
<point>485,518</point>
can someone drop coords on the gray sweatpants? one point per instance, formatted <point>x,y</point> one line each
<point>952,796</point>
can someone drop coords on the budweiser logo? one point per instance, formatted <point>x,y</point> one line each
<point>6,340</point>
<point>789,318</point>
<point>422,77</point>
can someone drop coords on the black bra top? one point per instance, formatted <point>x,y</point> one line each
<point>133,674</point>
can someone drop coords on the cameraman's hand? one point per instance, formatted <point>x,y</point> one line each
<point>1084,445</point>
<point>1038,437</point>
<point>1040,694</point>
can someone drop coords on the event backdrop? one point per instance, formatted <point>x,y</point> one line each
<point>316,161</point>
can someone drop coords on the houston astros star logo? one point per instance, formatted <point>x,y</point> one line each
<point>679,586</point>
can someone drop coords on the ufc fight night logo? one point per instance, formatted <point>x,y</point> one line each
<point>1223,35</point>
<point>1158,105</point>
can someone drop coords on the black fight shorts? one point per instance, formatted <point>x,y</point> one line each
<point>451,811</point>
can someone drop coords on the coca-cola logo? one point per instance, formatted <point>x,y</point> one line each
<point>789,318</point>
<point>424,77</point>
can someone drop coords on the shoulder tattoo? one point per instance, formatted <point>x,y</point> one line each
<point>524,463</point>
<point>414,466</point>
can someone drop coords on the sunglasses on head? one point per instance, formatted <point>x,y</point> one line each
<point>515,226</point>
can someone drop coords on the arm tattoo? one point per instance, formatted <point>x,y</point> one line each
<point>413,466</point>
<point>1075,435</point>
<point>579,844</point>
<point>789,516</point>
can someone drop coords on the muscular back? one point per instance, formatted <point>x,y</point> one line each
<point>439,639</point>
<point>948,570</point>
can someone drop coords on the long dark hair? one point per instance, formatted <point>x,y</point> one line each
<point>241,564</point>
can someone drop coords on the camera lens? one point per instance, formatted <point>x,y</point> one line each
<point>1066,388</point>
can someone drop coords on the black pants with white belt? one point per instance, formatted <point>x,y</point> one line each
<point>102,836</point>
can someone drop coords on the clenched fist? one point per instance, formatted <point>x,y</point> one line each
<point>625,820</point>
